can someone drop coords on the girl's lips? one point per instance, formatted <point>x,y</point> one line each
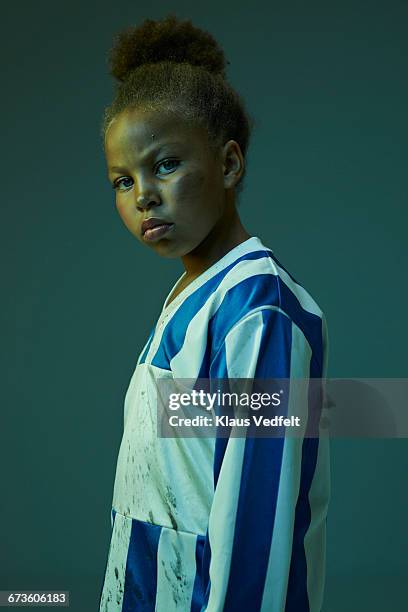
<point>157,232</point>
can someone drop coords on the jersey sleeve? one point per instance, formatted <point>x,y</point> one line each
<point>265,543</point>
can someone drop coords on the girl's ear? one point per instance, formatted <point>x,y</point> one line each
<point>233,163</point>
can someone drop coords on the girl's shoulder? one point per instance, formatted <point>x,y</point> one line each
<point>260,283</point>
<point>256,280</point>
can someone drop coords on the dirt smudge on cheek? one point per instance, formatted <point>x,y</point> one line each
<point>189,189</point>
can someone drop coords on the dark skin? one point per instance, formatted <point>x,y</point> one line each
<point>185,183</point>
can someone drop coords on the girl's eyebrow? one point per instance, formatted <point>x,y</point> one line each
<point>154,149</point>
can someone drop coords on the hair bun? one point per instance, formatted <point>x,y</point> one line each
<point>165,40</point>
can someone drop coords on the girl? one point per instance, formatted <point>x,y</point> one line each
<point>207,523</point>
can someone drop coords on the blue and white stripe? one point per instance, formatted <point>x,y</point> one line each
<point>225,524</point>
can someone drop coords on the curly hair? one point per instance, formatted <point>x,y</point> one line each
<point>172,66</point>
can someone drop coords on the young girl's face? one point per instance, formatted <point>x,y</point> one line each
<point>163,169</point>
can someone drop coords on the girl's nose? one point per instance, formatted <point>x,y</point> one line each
<point>145,200</point>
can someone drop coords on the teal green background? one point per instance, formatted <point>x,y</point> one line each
<point>326,189</point>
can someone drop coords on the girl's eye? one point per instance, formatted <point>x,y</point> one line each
<point>125,182</point>
<point>169,165</point>
<point>119,182</point>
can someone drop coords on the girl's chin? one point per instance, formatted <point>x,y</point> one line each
<point>167,248</point>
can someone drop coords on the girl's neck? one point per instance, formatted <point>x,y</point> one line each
<point>227,233</point>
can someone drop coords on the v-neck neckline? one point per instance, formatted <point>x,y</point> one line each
<point>250,244</point>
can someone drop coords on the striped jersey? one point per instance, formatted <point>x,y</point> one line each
<point>222,524</point>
